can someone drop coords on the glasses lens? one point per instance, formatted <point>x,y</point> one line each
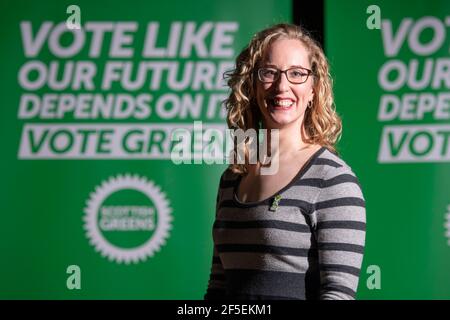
<point>267,74</point>
<point>297,75</point>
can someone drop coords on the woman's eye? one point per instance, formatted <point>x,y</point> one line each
<point>297,74</point>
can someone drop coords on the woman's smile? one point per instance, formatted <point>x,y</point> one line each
<point>282,104</point>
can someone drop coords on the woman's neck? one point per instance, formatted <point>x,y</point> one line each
<point>291,140</point>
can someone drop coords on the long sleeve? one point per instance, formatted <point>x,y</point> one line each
<point>340,217</point>
<point>216,283</point>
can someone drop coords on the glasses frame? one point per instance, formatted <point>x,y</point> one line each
<point>279,72</point>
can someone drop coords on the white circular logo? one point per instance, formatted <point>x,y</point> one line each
<point>127,218</point>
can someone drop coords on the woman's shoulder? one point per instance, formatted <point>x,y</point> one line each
<point>338,179</point>
<point>332,164</point>
<point>228,176</point>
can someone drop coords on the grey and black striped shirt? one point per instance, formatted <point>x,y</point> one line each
<point>309,247</point>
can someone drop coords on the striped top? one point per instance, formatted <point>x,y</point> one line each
<point>309,246</point>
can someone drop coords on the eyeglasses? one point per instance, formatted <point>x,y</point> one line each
<point>295,75</point>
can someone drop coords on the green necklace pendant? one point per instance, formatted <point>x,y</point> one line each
<point>275,203</point>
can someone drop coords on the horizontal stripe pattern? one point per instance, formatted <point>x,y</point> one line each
<point>272,224</point>
<point>310,247</point>
<point>349,247</point>
<point>337,292</point>
<point>340,268</point>
<point>341,236</point>
<point>266,261</point>
<point>321,183</point>
<point>278,237</point>
<point>241,247</point>
<point>350,259</point>
<point>342,224</point>
<point>328,162</point>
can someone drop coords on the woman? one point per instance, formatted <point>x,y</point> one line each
<point>300,233</point>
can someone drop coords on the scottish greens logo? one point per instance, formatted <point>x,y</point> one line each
<point>127,218</point>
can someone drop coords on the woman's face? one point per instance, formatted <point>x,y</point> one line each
<point>281,102</point>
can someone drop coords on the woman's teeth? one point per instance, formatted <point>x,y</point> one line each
<point>283,103</point>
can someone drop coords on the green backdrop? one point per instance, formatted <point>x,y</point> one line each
<point>85,129</point>
<point>87,174</point>
<point>392,89</point>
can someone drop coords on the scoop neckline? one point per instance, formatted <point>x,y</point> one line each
<point>299,174</point>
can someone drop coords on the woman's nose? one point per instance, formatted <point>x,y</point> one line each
<point>283,83</point>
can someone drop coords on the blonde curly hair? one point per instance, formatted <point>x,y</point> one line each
<point>321,122</point>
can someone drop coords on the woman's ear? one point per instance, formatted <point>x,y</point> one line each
<point>311,97</point>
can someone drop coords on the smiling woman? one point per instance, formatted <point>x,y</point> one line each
<point>300,233</point>
<point>283,95</point>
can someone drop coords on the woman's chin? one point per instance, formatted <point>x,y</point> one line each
<point>279,121</point>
